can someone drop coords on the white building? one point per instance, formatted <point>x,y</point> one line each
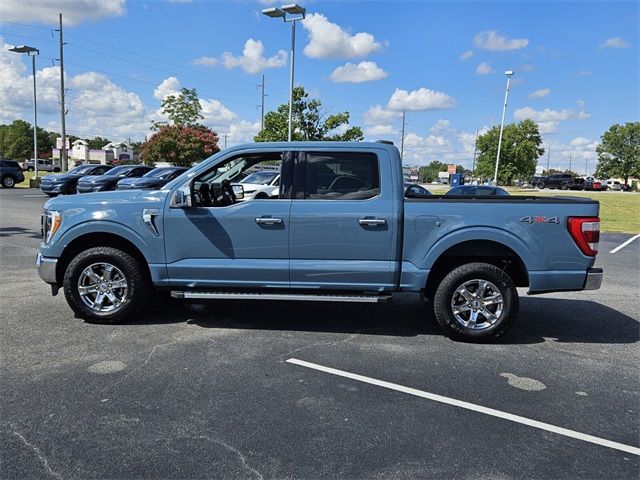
<point>111,152</point>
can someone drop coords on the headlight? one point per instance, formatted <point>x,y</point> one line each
<point>51,221</point>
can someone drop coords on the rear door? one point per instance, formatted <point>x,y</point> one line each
<point>343,227</point>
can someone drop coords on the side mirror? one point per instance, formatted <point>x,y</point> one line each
<point>181,198</point>
<point>238,191</point>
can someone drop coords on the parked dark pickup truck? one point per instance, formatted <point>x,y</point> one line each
<point>339,229</point>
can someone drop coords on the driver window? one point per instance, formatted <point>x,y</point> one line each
<point>255,173</point>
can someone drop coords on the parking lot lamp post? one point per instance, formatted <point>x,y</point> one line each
<point>509,74</point>
<point>32,52</point>
<point>289,13</point>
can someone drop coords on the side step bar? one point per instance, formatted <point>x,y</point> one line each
<point>300,297</point>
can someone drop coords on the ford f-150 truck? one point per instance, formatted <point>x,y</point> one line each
<point>340,229</point>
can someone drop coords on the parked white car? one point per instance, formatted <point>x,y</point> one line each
<point>260,185</point>
<point>613,185</point>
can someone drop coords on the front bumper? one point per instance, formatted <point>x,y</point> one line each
<point>594,279</point>
<point>51,187</point>
<point>89,188</point>
<point>46,267</point>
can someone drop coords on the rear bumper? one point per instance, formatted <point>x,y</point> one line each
<point>594,279</point>
<point>46,267</point>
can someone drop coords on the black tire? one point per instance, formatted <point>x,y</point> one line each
<point>261,196</point>
<point>56,170</point>
<point>30,169</point>
<point>8,182</point>
<point>138,287</point>
<point>564,186</point>
<point>52,194</point>
<point>467,274</point>
<point>541,185</point>
<point>70,190</point>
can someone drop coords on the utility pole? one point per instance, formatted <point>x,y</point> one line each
<point>225,140</point>
<point>548,157</point>
<point>475,150</point>
<point>404,114</point>
<point>63,151</point>
<point>262,104</point>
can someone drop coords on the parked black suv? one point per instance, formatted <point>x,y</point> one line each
<point>10,173</point>
<point>563,181</point>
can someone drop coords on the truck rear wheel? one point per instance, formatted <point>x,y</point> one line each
<point>105,285</point>
<point>476,302</point>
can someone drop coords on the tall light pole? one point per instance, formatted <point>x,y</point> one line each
<point>32,52</point>
<point>509,74</point>
<point>289,13</point>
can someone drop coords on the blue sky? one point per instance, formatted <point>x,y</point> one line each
<point>576,67</point>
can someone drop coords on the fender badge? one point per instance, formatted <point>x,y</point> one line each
<point>540,219</point>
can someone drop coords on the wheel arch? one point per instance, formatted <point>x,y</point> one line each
<point>488,251</point>
<point>98,239</point>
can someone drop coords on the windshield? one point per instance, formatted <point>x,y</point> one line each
<point>260,178</point>
<point>161,173</point>
<point>119,170</point>
<point>81,170</point>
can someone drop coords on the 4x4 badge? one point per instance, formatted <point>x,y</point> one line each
<point>540,219</point>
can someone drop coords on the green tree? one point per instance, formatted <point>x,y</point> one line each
<point>619,152</point>
<point>519,153</point>
<point>183,109</point>
<point>181,146</point>
<point>97,142</point>
<point>430,172</point>
<point>16,141</point>
<point>310,122</point>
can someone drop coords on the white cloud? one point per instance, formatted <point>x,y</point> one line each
<point>580,142</point>
<point>329,40</point>
<point>541,93</point>
<point>358,73</point>
<point>548,120</point>
<point>615,42</point>
<point>466,55</point>
<point>421,99</point>
<point>242,132</point>
<point>495,41</point>
<point>584,73</point>
<point>379,115</point>
<point>484,69</point>
<point>169,86</point>
<point>252,59</point>
<point>527,67</point>
<point>46,11</point>
<point>205,61</point>
<point>381,130</point>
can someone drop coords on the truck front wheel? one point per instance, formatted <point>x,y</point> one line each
<point>476,302</point>
<point>105,285</point>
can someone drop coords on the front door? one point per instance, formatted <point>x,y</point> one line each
<point>245,244</point>
<point>343,223</point>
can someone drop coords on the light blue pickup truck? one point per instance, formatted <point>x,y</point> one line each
<point>340,230</point>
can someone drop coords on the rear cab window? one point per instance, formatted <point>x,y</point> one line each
<point>339,176</point>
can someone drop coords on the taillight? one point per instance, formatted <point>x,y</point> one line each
<point>585,231</point>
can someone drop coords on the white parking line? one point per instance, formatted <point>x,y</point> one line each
<point>470,406</point>
<point>622,245</point>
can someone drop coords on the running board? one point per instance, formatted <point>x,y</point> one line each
<point>300,297</point>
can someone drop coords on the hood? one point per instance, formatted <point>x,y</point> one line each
<point>96,179</point>
<point>137,182</point>
<point>60,178</point>
<point>66,202</point>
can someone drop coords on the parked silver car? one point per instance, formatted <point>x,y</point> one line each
<point>43,166</point>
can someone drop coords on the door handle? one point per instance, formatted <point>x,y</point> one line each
<point>268,221</point>
<point>372,222</point>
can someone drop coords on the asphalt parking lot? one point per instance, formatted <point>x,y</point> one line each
<point>205,391</point>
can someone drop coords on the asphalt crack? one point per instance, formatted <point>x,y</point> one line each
<point>238,453</point>
<point>37,451</point>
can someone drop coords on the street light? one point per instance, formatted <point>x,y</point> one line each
<point>32,52</point>
<point>509,74</point>
<point>289,13</point>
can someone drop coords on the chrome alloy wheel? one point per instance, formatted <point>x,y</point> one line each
<point>103,287</point>
<point>477,304</point>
